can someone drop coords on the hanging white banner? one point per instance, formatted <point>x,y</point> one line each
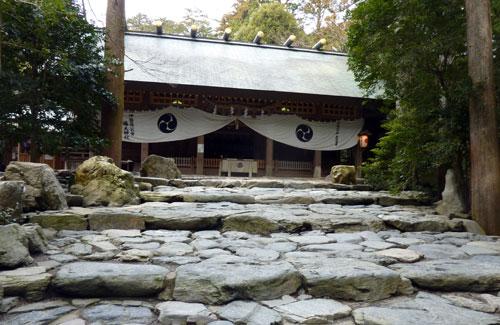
<point>170,124</point>
<point>174,124</point>
<point>297,132</point>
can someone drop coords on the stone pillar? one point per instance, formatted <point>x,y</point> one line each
<point>200,154</point>
<point>358,160</point>
<point>317,164</point>
<point>144,151</point>
<point>269,157</point>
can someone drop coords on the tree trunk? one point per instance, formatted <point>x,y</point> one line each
<point>112,116</point>
<point>484,153</point>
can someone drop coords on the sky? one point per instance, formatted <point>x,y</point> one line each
<point>170,9</point>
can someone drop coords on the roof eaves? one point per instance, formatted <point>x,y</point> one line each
<point>233,43</point>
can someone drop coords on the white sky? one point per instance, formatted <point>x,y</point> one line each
<point>170,9</point>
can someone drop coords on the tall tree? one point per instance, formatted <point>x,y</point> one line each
<point>274,20</point>
<point>112,115</point>
<point>484,153</point>
<point>51,81</point>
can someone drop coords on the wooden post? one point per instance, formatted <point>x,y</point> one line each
<point>317,164</point>
<point>358,160</point>
<point>144,151</point>
<point>269,157</point>
<point>112,116</point>
<point>484,153</point>
<point>200,154</point>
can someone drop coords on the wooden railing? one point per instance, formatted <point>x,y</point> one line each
<point>292,165</point>
<point>211,162</point>
<point>184,162</point>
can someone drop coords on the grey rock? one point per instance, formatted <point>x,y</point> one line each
<point>115,219</point>
<point>449,275</point>
<point>346,278</point>
<point>11,193</point>
<point>37,242</point>
<point>424,309</point>
<point>258,254</point>
<point>215,282</point>
<point>101,182</point>
<point>78,249</point>
<point>39,306</point>
<point>29,282</point>
<point>176,312</point>
<point>422,223</point>
<point>42,189</point>
<point>118,315</point>
<point>314,311</point>
<point>438,251</point>
<point>8,303</point>
<point>175,249</point>
<point>452,202</point>
<point>135,255</point>
<point>38,317</point>
<point>249,312</point>
<point>13,246</point>
<point>402,255</point>
<point>59,220</point>
<point>161,167</point>
<point>90,279</point>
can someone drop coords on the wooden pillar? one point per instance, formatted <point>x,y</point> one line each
<point>358,160</point>
<point>144,151</point>
<point>200,154</point>
<point>269,157</point>
<point>317,164</point>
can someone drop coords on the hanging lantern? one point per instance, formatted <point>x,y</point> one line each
<point>363,140</point>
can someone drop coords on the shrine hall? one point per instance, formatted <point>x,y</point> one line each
<point>265,110</point>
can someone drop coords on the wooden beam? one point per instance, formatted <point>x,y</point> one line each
<point>269,157</point>
<point>200,154</point>
<point>317,164</point>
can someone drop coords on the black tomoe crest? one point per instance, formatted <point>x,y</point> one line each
<point>304,133</point>
<point>167,123</point>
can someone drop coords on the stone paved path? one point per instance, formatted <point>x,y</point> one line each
<point>242,252</point>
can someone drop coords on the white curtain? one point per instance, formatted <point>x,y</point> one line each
<point>174,124</point>
<point>297,132</point>
<point>170,124</point>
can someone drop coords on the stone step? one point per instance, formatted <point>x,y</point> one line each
<point>234,182</point>
<point>253,218</point>
<point>244,195</point>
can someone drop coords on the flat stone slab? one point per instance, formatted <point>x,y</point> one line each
<point>93,279</point>
<point>101,219</point>
<point>177,312</point>
<point>118,314</point>
<point>249,312</point>
<point>345,278</point>
<point>314,311</point>
<point>217,282</point>
<point>452,275</point>
<point>29,282</point>
<point>426,309</point>
<point>59,220</point>
<point>261,195</point>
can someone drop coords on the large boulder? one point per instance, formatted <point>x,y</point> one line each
<point>11,194</point>
<point>157,166</point>
<point>343,174</point>
<point>16,243</point>
<point>101,182</point>
<point>452,202</point>
<point>42,189</point>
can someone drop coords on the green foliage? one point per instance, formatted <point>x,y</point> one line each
<point>416,51</point>
<point>143,23</point>
<point>52,77</point>
<point>274,20</point>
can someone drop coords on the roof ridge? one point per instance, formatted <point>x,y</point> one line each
<point>232,43</point>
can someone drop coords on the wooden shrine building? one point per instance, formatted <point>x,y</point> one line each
<point>202,101</point>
